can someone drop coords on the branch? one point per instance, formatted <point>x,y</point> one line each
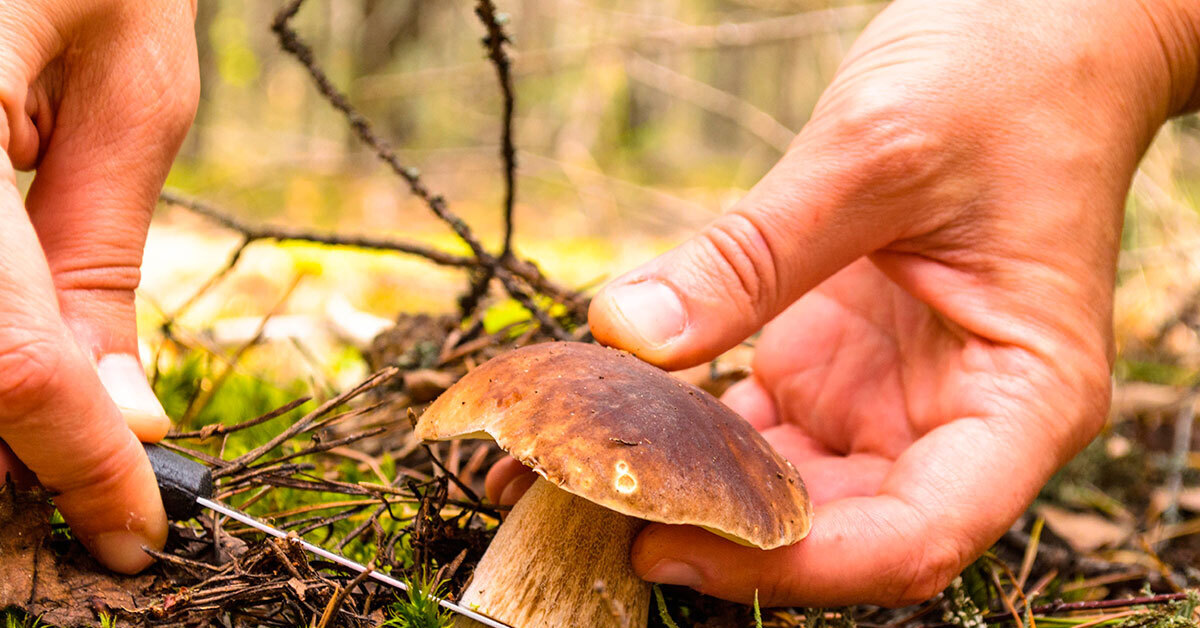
<point>494,42</point>
<point>291,43</point>
<point>248,458</point>
<point>758,122</point>
<point>281,233</point>
<point>682,38</point>
<point>1089,605</point>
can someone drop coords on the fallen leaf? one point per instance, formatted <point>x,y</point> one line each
<point>1160,498</point>
<point>426,384</point>
<point>62,589</point>
<point>1084,532</point>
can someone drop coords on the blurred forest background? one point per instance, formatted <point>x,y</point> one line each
<point>637,122</point>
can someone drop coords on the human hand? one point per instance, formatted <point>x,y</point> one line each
<point>937,251</point>
<point>97,96</point>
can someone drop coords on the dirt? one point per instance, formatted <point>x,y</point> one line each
<point>48,576</point>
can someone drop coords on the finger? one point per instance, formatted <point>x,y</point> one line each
<point>853,529</point>
<point>507,481</point>
<point>932,515</point>
<point>516,489</point>
<point>33,35</point>
<point>124,380</point>
<point>845,188</point>
<point>750,399</point>
<point>501,475</point>
<point>55,415</point>
<point>118,124</point>
<point>93,228</point>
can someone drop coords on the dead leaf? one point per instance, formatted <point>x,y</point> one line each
<point>1084,532</point>
<point>67,589</point>
<point>299,587</point>
<point>1135,398</point>
<point>426,384</point>
<point>1160,498</point>
<point>730,368</point>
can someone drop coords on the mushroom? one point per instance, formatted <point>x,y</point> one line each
<point>617,442</point>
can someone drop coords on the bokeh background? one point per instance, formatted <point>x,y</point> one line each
<point>637,123</point>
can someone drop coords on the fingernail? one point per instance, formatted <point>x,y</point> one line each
<point>651,311</point>
<point>122,551</point>
<point>668,571</point>
<point>125,381</point>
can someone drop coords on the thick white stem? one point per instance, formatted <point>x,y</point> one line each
<point>560,560</point>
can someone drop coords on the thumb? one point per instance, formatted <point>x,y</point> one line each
<point>831,200</point>
<point>118,123</point>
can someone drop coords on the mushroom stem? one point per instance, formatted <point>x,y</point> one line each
<point>560,560</point>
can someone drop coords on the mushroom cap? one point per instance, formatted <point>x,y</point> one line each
<point>608,427</point>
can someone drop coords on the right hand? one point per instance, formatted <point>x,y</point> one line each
<point>97,96</point>
<point>935,257</point>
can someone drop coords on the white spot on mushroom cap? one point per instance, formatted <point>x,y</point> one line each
<point>625,482</point>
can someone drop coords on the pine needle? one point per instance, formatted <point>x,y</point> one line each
<point>662,608</point>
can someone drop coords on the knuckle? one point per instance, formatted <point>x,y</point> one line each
<point>932,567</point>
<point>743,249</point>
<point>895,142</point>
<point>30,373</point>
<point>164,90</point>
<point>774,588</point>
<point>176,108</point>
<point>78,275</point>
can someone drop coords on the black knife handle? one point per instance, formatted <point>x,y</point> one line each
<point>181,481</point>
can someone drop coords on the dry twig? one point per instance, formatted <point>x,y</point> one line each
<point>503,269</point>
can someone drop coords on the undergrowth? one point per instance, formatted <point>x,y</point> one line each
<point>417,609</point>
<point>17,619</point>
<point>239,396</point>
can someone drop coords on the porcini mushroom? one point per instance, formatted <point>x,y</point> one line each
<point>617,442</point>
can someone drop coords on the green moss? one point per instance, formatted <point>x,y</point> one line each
<point>417,609</point>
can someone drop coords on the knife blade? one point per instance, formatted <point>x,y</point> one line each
<point>187,488</point>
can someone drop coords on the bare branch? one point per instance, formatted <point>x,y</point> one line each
<point>281,233</point>
<point>245,460</point>
<point>223,428</point>
<point>494,42</point>
<point>758,122</point>
<point>680,38</point>
<point>290,41</point>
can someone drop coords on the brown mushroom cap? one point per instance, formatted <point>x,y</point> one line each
<point>621,433</point>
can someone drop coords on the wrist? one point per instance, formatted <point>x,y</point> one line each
<point>1140,60</point>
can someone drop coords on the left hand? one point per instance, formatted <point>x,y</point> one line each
<point>96,95</point>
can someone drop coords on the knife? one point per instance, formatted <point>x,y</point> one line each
<point>187,489</point>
